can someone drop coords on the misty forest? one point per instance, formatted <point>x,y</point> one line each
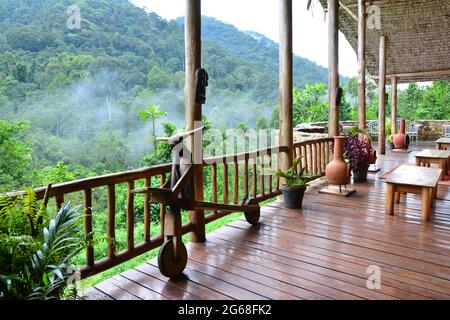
<point>84,102</point>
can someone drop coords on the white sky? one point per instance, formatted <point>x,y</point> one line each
<point>310,29</point>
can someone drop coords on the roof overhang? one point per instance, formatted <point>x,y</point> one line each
<point>417,37</point>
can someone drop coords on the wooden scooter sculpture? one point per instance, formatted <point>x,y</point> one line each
<point>179,194</point>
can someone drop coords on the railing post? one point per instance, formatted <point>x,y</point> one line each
<point>192,34</point>
<point>286,85</point>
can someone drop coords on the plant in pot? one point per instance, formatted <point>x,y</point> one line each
<point>389,143</point>
<point>389,135</point>
<point>357,153</point>
<point>295,184</point>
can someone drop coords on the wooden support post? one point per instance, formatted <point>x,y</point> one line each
<point>382,98</point>
<point>286,132</point>
<point>192,34</point>
<point>333,67</point>
<point>361,64</point>
<point>394,106</point>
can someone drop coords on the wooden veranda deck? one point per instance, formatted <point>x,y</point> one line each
<point>320,252</point>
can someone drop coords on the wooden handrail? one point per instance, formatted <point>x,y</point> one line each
<point>103,180</point>
<point>244,169</point>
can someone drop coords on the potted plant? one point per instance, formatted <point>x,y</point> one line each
<point>294,185</point>
<point>390,144</point>
<point>357,152</point>
<point>389,135</point>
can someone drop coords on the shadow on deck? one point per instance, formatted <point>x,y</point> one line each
<point>320,252</point>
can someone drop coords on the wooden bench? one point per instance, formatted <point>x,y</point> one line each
<point>412,179</point>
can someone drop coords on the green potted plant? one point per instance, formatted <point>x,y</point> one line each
<point>389,143</point>
<point>294,185</point>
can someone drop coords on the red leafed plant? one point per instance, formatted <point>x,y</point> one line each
<point>356,151</point>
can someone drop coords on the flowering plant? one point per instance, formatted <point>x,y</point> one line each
<point>356,151</point>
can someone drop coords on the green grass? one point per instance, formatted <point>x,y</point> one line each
<point>89,282</point>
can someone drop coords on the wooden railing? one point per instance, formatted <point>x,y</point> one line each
<point>316,154</point>
<point>231,178</point>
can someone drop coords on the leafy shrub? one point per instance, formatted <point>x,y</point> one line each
<point>35,261</point>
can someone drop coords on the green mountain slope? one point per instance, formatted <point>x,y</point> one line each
<point>80,89</point>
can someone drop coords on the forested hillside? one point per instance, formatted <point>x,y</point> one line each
<point>69,99</point>
<point>80,90</point>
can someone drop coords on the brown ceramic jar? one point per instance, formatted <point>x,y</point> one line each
<point>337,171</point>
<point>401,140</point>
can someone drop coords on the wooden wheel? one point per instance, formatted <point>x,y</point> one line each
<point>252,217</point>
<point>168,266</point>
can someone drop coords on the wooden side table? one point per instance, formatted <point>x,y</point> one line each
<point>443,144</point>
<point>441,157</point>
<point>412,179</point>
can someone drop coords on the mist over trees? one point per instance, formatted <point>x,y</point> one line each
<point>69,99</point>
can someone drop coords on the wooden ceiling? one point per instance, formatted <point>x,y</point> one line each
<point>417,33</point>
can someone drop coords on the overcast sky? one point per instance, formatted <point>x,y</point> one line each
<point>310,28</point>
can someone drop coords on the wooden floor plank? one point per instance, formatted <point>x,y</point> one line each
<point>183,283</point>
<point>165,289</point>
<point>319,252</point>
<point>222,286</point>
<point>396,279</point>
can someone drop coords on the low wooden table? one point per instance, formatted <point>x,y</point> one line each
<point>440,157</point>
<point>412,179</point>
<point>443,144</point>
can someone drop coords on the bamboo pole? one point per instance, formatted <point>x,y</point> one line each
<point>286,83</point>
<point>362,64</point>
<point>382,97</point>
<point>394,106</point>
<point>192,34</point>
<point>333,67</point>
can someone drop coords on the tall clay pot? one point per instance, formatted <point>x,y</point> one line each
<point>401,140</point>
<point>372,153</point>
<point>337,171</point>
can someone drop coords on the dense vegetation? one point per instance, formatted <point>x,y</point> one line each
<point>78,103</point>
<point>80,90</point>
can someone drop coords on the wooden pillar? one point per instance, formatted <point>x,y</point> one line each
<point>394,105</point>
<point>361,64</point>
<point>382,97</point>
<point>192,35</point>
<point>333,67</point>
<point>286,134</point>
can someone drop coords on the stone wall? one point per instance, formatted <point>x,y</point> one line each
<point>430,130</point>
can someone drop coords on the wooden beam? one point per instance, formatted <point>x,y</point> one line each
<point>382,97</point>
<point>394,106</point>
<point>333,67</point>
<point>348,10</point>
<point>192,35</point>
<point>286,83</point>
<point>431,73</point>
<point>361,64</point>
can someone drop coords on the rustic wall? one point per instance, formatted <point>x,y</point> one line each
<point>431,130</point>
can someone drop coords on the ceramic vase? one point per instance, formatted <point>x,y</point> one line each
<point>337,171</point>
